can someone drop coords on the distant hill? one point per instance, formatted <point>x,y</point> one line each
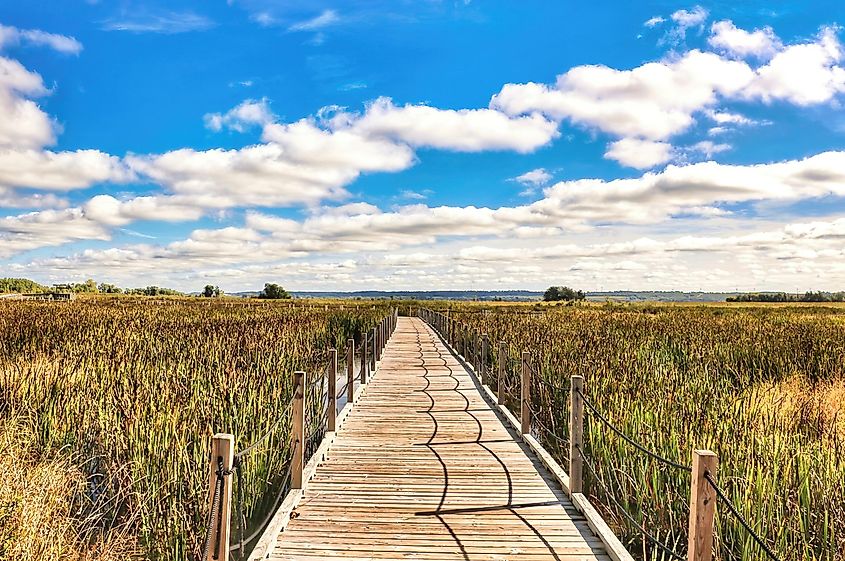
<point>658,296</point>
<point>508,295</point>
<point>486,295</point>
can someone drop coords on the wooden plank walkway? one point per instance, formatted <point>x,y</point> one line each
<point>423,468</point>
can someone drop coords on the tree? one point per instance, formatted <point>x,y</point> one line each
<point>20,285</point>
<point>211,291</point>
<point>273,291</point>
<point>89,286</point>
<point>107,288</point>
<point>153,291</point>
<point>557,293</point>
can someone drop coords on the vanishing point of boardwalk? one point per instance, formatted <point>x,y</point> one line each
<point>423,468</point>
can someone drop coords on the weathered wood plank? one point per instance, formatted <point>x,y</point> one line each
<point>423,468</point>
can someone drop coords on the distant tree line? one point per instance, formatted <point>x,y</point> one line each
<point>787,297</point>
<point>558,293</point>
<point>272,291</point>
<point>21,286</point>
<point>153,291</point>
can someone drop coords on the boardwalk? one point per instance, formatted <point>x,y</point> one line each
<point>424,469</point>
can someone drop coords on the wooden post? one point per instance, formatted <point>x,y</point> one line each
<point>500,382</point>
<point>576,434</point>
<point>222,448</point>
<point>332,391</point>
<point>376,345</point>
<point>525,416</point>
<point>298,460</point>
<point>364,361</point>
<point>476,352</point>
<point>373,355</point>
<point>702,506</point>
<point>485,351</point>
<point>350,370</point>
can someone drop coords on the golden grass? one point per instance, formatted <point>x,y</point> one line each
<point>40,511</point>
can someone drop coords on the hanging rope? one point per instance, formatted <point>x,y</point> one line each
<point>721,494</point>
<point>621,509</point>
<point>631,441</point>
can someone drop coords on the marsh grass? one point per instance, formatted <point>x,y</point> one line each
<point>760,386</point>
<point>120,397</point>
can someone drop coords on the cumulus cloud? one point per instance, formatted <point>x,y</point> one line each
<point>59,171</point>
<point>24,124</point>
<point>762,257</point>
<point>701,189</point>
<point>803,74</point>
<point>534,178</point>
<point>659,100</point>
<point>654,197</point>
<point>653,101</point>
<point>247,114</point>
<point>639,153</point>
<point>708,148</point>
<point>25,130</point>
<point>10,35</point>
<point>760,43</point>
<point>466,130</point>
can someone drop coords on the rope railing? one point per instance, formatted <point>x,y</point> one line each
<point>312,412</point>
<point>640,527</point>
<point>631,441</point>
<point>720,493</point>
<point>537,395</point>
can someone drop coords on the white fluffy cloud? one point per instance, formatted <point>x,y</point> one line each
<point>654,101</point>
<point>659,100</point>
<point>803,74</point>
<point>760,43</point>
<point>24,124</point>
<point>767,257</point>
<point>59,171</point>
<point>10,35</point>
<point>534,178</point>
<point>466,130</point>
<point>249,113</point>
<point>25,130</point>
<point>639,153</point>
<point>701,189</point>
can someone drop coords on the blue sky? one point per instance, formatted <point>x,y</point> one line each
<point>351,145</point>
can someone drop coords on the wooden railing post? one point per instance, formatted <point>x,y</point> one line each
<point>364,361</point>
<point>500,381</point>
<point>702,506</point>
<point>373,354</point>
<point>222,450</point>
<point>576,435</point>
<point>485,352</point>
<point>476,352</point>
<point>376,345</point>
<point>332,392</point>
<point>298,460</point>
<point>525,415</point>
<point>350,370</point>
